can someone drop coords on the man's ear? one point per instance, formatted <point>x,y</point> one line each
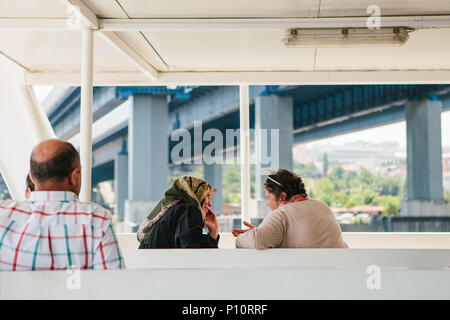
<point>73,176</point>
<point>283,196</point>
<point>31,178</point>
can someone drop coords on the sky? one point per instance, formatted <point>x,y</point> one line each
<point>41,92</point>
<point>395,132</point>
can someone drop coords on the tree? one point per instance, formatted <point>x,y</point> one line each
<point>324,190</point>
<point>447,195</point>
<point>306,171</point>
<point>365,177</point>
<point>391,204</point>
<point>325,164</point>
<point>338,173</point>
<point>353,201</point>
<point>340,199</point>
<point>387,185</point>
<point>369,197</point>
<point>231,184</point>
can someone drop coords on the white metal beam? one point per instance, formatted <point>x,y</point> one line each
<point>230,24</point>
<point>78,9</point>
<point>114,40</point>
<point>40,125</point>
<point>90,20</point>
<point>268,24</point>
<point>252,78</point>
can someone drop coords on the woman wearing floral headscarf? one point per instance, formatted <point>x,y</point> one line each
<point>178,219</point>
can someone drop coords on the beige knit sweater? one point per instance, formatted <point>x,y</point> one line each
<point>304,224</point>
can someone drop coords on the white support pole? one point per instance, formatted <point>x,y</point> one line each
<point>244,152</point>
<point>87,65</point>
<point>40,125</point>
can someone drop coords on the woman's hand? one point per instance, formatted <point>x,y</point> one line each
<point>211,223</point>
<point>237,232</point>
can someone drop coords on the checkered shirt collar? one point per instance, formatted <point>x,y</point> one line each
<point>53,196</point>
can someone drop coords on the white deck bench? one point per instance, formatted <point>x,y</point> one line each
<point>356,240</point>
<point>404,273</point>
<point>248,274</point>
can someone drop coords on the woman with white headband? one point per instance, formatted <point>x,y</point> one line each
<point>295,220</point>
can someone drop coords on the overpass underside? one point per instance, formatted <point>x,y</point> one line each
<point>204,121</point>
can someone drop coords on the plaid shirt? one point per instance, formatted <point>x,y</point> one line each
<point>54,230</point>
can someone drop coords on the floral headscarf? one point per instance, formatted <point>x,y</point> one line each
<point>187,189</point>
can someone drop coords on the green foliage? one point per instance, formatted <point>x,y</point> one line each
<point>325,164</point>
<point>306,171</point>
<point>338,172</point>
<point>325,186</point>
<point>199,172</point>
<point>340,198</point>
<point>350,189</point>
<point>340,188</point>
<point>231,184</point>
<point>391,204</point>
<point>447,195</point>
<point>365,177</point>
<point>353,201</point>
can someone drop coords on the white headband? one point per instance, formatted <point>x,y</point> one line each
<point>275,181</point>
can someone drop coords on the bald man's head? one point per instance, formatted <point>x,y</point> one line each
<point>53,160</point>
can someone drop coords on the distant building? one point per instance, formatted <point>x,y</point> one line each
<point>230,209</point>
<point>354,156</point>
<point>371,210</point>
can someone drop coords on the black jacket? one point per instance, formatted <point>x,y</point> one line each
<point>180,227</point>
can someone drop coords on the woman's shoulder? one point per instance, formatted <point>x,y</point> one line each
<point>310,203</point>
<point>186,207</point>
<point>184,204</point>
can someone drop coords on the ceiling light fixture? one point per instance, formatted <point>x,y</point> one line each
<point>341,37</point>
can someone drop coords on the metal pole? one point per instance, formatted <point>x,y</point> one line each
<point>244,152</point>
<point>87,59</point>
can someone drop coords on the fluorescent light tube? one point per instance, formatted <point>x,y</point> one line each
<point>341,37</point>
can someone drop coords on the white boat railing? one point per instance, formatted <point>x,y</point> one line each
<point>355,240</point>
<point>210,274</point>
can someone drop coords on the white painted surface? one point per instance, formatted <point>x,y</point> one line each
<point>244,24</point>
<point>264,8</point>
<point>32,9</point>
<point>87,71</point>
<point>355,240</point>
<point>237,44</point>
<point>252,78</point>
<point>271,274</point>
<point>286,258</point>
<point>259,274</point>
<point>23,124</point>
<point>244,150</point>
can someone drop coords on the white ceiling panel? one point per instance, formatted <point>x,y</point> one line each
<point>142,46</point>
<point>229,51</point>
<point>32,9</point>
<point>59,51</point>
<point>352,8</point>
<point>111,9</point>
<point>107,9</point>
<point>263,8</point>
<point>426,49</point>
<point>215,51</point>
<point>219,8</point>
